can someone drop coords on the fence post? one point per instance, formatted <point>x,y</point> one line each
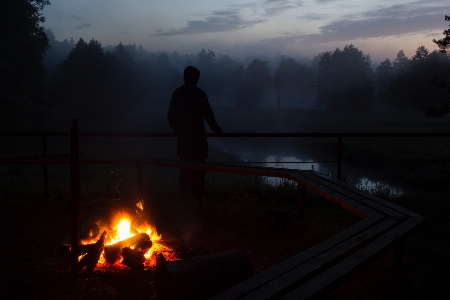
<point>45,166</point>
<point>339,158</point>
<point>301,202</point>
<point>75,196</point>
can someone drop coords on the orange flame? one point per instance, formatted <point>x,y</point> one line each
<point>122,228</point>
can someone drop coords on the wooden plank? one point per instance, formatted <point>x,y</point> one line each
<point>359,196</point>
<point>350,264</point>
<point>367,195</point>
<point>360,210</point>
<point>319,263</point>
<point>259,280</point>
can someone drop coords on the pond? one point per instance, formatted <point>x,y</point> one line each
<point>284,154</point>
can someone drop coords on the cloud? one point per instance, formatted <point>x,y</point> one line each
<point>231,19</point>
<point>219,21</point>
<point>395,20</point>
<point>60,15</point>
<point>276,10</point>
<point>313,17</point>
<point>325,1</point>
<point>276,7</point>
<point>82,26</point>
<point>75,17</point>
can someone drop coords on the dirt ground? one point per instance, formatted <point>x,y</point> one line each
<point>33,267</point>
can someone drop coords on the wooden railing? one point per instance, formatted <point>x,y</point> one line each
<point>45,159</point>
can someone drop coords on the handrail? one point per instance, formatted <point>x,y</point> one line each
<point>238,134</point>
<point>338,135</point>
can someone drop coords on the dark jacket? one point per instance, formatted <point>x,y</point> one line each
<point>188,109</point>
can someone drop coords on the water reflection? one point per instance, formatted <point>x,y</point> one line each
<point>290,156</point>
<point>363,183</point>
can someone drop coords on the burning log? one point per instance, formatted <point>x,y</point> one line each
<point>82,249</point>
<point>133,258</point>
<point>140,241</point>
<point>112,253</point>
<point>89,261</point>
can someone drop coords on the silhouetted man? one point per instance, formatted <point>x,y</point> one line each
<point>188,109</point>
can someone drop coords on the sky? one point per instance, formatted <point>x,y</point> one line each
<point>241,28</point>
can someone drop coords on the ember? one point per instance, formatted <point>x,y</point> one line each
<point>126,242</point>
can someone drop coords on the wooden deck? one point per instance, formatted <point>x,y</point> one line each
<point>315,271</point>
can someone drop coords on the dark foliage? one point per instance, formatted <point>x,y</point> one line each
<point>293,81</point>
<point>57,52</point>
<point>344,81</point>
<point>444,43</point>
<point>97,86</point>
<point>22,46</point>
<point>443,83</point>
<point>252,84</point>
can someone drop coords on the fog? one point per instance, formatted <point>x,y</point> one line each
<point>114,87</point>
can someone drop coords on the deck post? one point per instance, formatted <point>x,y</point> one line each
<point>339,158</point>
<point>75,196</point>
<point>45,166</point>
<point>301,202</point>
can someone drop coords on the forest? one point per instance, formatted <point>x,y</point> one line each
<point>51,81</point>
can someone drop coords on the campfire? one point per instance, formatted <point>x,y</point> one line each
<point>127,241</point>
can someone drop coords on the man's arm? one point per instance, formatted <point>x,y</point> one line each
<point>209,116</point>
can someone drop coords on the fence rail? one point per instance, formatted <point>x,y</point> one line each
<point>45,159</point>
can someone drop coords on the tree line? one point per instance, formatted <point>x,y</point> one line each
<point>91,80</point>
<point>88,81</point>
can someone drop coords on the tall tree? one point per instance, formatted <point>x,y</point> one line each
<point>292,81</point>
<point>384,75</point>
<point>255,81</point>
<point>96,86</point>
<point>444,43</point>
<point>412,85</point>
<point>57,51</point>
<point>23,43</point>
<point>443,82</point>
<point>345,80</point>
<point>401,63</point>
<point>420,57</point>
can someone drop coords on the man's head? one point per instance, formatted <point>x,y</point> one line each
<point>191,75</point>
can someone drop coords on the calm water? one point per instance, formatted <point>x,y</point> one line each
<point>283,154</point>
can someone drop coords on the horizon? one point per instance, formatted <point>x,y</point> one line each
<point>244,28</point>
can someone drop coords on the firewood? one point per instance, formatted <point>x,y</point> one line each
<point>133,258</point>
<point>112,253</point>
<point>89,261</point>
<point>140,241</point>
<point>82,249</point>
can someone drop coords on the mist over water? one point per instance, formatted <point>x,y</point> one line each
<point>281,155</point>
